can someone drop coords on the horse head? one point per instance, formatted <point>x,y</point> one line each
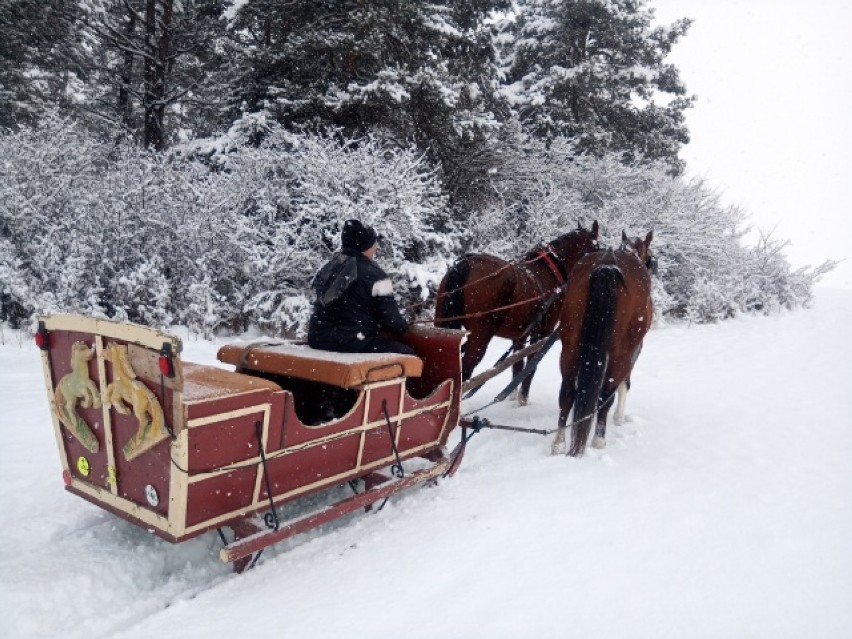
<point>570,247</point>
<point>641,248</point>
<point>80,355</point>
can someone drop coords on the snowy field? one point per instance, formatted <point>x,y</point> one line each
<point>723,508</point>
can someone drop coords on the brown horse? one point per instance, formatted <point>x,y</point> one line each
<point>605,316</point>
<point>637,246</point>
<point>515,300</point>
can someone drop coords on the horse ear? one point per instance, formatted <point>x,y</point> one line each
<point>579,226</point>
<point>623,237</point>
<point>649,237</point>
<point>595,230</point>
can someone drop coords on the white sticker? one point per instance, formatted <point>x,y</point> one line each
<point>152,496</point>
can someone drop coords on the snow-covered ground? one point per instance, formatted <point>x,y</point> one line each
<point>723,508</point>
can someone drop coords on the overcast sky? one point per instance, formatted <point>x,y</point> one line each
<point>771,128</point>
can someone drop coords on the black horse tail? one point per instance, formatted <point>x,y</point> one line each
<point>595,341</point>
<point>452,302</point>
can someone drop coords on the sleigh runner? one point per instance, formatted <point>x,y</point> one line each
<point>180,448</point>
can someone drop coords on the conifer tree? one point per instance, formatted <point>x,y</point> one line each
<point>40,61</point>
<point>152,64</point>
<point>409,70</point>
<point>595,71</point>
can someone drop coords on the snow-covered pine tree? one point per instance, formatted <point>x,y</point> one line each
<point>41,61</point>
<point>595,71</point>
<point>154,67</point>
<point>402,69</point>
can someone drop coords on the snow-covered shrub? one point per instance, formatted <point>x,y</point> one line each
<point>295,193</point>
<point>230,233</point>
<point>115,230</point>
<point>770,283</point>
<point>47,178</point>
<point>706,273</point>
<point>107,229</point>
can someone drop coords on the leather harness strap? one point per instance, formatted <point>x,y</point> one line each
<point>549,258</point>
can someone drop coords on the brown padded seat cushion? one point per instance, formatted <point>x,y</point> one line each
<point>346,370</point>
<point>208,382</point>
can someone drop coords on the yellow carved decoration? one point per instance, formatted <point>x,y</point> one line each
<point>77,386</point>
<point>126,392</point>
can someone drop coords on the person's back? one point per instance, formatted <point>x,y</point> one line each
<point>355,301</point>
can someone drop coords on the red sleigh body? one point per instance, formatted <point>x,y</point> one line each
<point>180,448</point>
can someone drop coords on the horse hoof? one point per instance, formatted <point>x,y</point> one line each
<point>598,442</point>
<point>522,401</point>
<point>557,449</point>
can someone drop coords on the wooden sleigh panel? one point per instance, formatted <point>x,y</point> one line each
<point>113,413</point>
<point>198,447</point>
<point>384,424</point>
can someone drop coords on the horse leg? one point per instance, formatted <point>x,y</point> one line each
<point>477,344</point>
<point>524,394</point>
<point>566,400</point>
<point>623,387</point>
<point>599,440</point>
<point>517,369</point>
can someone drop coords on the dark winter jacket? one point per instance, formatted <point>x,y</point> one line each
<point>354,302</point>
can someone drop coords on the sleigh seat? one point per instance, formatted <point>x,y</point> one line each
<point>344,370</point>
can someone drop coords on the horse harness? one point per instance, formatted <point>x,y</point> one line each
<point>545,254</point>
<point>549,257</point>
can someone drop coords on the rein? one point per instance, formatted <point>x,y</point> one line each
<point>529,300</point>
<point>545,254</point>
<point>542,254</point>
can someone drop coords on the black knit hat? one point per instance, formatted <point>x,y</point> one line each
<point>358,236</point>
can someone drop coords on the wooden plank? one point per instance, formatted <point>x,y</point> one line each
<point>142,335</point>
<point>146,364</point>
<point>483,377</point>
<point>54,413</point>
<point>107,418</point>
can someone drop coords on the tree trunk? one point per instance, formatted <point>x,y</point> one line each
<point>157,51</point>
<point>125,106</point>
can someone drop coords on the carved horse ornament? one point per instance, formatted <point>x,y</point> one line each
<point>605,316</point>
<point>77,386</point>
<point>517,300</point>
<point>125,394</point>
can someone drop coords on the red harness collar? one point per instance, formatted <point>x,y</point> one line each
<point>547,256</point>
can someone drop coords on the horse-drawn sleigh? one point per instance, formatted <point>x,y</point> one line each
<point>181,449</point>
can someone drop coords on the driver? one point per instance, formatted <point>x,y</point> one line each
<point>354,300</point>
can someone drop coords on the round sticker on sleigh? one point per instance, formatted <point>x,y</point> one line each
<point>152,496</point>
<point>83,466</point>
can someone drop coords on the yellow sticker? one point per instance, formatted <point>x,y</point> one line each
<point>111,477</point>
<point>83,466</point>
